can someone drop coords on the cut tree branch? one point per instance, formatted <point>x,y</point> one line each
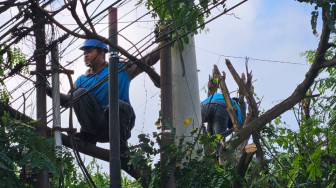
<point>229,107</point>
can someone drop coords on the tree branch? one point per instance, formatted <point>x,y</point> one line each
<point>229,107</point>
<point>242,166</point>
<point>329,63</point>
<point>72,9</point>
<point>297,95</point>
<point>88,17</point>
<point>244,89</point>
<point>51,18</point>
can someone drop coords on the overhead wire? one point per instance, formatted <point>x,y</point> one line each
<point>250,58</point>
<point>11,21</point>
<point>92,19</point>
<point>32,27</point>
<point>97,22</point>
<point>25,19</point>
<point>133,22</point>
<point>31,91</point>
<point>105,15</point>
<point>179,37</point>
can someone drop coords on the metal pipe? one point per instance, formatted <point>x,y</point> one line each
<point>115,165</point>
<point>56,101</point>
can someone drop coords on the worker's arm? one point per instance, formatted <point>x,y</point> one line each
<point>64,98</point>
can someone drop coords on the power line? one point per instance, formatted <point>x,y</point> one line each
<point>251,58</point>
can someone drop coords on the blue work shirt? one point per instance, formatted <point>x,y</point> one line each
<point>100,93</point>
<point>219,98</point>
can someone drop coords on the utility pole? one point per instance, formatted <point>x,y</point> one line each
<point>166,105</point>
<point>115,164</point>
<point>40,58</point>
<point>186,100</point>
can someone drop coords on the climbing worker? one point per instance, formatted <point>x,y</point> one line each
<point>214,112</point>
<point>91,97</point>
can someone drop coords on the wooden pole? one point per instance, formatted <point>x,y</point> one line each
<point>166,108</point>
<point>41,98</point>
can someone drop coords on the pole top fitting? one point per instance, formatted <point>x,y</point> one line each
<point>162,32</point>
<point>114,54</point>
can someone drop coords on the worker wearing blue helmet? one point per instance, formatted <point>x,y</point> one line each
<point>91,108</point>
<point>93,43</point>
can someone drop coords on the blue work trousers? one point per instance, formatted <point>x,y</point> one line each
<point>94,119</point>
<point>217,117</point>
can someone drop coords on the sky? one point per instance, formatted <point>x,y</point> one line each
<point>259,29</point>
<point>264,31</point>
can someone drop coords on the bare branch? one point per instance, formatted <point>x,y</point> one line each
<point>242,88</point>
<point>329,63</point>
<point>332,45</point>
<point>72,9</point>
<point>51,18</point>
<point>88,17</point>
<point>229,107</point>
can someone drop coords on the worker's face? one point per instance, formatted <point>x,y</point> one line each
<point>92,56</point>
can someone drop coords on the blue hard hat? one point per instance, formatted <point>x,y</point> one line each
<point>93,43</point>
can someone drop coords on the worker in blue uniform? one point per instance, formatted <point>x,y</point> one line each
<point>91,97</point>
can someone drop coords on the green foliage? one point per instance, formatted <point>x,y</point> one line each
<point>21,149</point>
<point>327,82</point>
<point>308,155</point>
<point>14,63</point>
<point>21,145</point>
<point>192,168</point>
<point>183,14</point>
<point>73,178</point>
<point>329,7</point>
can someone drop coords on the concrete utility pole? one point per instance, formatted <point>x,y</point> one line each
<point>40,58</point>
<point>186,100</point>
<point>115,164</point>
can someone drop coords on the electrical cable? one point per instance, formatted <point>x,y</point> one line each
<point>73,141</point>
<point>20,37</point>
<point>94,17</point>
